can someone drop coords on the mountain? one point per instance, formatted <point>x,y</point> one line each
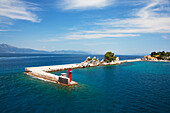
<point>5,48</point>
<point>70,52</point>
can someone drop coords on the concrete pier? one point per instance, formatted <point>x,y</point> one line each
<point>43,71</point>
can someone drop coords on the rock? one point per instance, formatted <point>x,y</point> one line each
<point>90,62</point>
<point>117,58</point>
<point>102,61</point>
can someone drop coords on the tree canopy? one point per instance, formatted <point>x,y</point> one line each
<point>109,57</point>
<point>163,53</point>
<point>160,55</point>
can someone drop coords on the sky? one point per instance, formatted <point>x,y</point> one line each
<point>125,27</point>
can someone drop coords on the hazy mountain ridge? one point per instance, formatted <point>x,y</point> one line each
<point>5,48</point>
<point>70,52</point>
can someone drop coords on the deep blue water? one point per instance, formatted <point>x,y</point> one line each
<point>129,87</point>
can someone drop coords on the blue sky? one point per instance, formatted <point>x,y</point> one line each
<point>97,26</point>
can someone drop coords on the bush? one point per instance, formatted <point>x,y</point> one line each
<point>95,59</point>
<point>89,59</point>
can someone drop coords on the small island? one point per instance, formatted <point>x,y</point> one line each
<point>109,59</point>
<point>158,56</point>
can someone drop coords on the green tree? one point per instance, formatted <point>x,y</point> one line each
<point>109,57</point>
<point>167,53</point>
<point>161,57</point>
<point>163,53</point>
<point>153,54</point>
<point>158,53</point>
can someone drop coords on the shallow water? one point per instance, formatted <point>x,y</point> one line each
<point>129,87</point>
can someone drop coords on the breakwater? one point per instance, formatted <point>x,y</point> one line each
<point>43,72</point>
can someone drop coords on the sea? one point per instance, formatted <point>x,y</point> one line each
<point>134,87</point>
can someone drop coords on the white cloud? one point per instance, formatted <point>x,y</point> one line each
<point>85,4</point>
<point>154,17</point>
<point>150,19</point>
<point>18,9</point>
<point>81,35</point>
<point>96,36</point>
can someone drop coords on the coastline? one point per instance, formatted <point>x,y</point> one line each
<point>43,72</point>
<point>158,60</point>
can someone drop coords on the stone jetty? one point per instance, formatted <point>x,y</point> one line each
<point>43,72</point>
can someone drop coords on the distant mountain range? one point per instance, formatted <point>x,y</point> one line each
<point>69,52</point>
<point>5,48</point>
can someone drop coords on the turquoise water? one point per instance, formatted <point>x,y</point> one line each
<point>129,87</point>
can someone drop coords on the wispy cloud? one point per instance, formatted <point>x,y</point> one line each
<point>94,44</point>
<point>18,10</point>
<point>10,30</point>
<point>96,36</point>
<point>166,37</point>
<point>154,17</point>
<point>84,4</point>
<point>49,40</point>
<point>81,35</point>
<point>2,30</point>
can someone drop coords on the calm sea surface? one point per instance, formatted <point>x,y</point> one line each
<point>138,87</point>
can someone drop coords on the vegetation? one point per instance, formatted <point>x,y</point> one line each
<point>89,59</point>
<point>161,55</point>
<point>109,57</point>
<point>95,59</point>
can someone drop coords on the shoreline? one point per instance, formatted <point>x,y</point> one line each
<point>158,60</point>
<point>44,72</point>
